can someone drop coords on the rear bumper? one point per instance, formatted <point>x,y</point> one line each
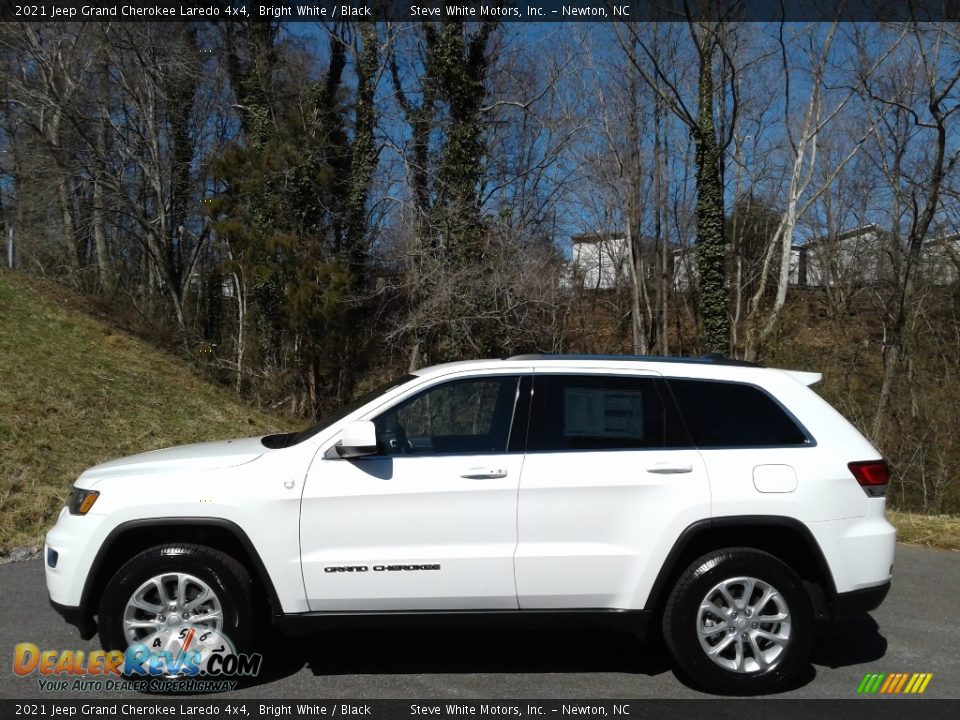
<point>859,551</point>
<point>863,600</point>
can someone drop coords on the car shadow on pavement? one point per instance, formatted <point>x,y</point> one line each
<point>854,641</point>
<point>492,650</point>
<point>369,651</point>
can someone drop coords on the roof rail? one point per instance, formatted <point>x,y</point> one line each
<point>709,359</point>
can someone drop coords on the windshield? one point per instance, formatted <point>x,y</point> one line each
<point>287,439</point>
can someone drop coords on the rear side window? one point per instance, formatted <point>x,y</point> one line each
<point>725,414</point>
<point>595,412</point>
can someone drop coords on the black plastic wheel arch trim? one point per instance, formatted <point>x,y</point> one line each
<point>73,615</point>
<point>669,568</point>
<point>82,615</point>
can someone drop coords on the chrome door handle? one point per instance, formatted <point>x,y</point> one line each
<point>480,473</point>
<point>669,469</point>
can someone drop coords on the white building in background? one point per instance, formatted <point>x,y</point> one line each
<point>941,259</point>
<point>861,257</point>
<point>853,257</point>
<point>599,261</point>
<point>683,262</point>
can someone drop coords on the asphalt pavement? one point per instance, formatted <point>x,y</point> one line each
<point>917,629</point>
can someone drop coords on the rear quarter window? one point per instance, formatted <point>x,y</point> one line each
<point>728,414</point>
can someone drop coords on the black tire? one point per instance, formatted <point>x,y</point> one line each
<point>224,575</point>
<point>680,623</point>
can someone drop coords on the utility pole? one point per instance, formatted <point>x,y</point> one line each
<point>10,246</point>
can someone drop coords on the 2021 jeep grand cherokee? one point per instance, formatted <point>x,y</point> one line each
<point>726,500</point>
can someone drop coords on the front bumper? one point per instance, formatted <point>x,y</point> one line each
<point>75,540</point>
<point>77,617</point>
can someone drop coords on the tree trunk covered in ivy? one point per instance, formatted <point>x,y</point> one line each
<point>251,57</point>
<point>445,179</point>
<point>107,276</point>
<point>364,155</point>
<point>241,213</point>
<point>181,89</point>
<point>711,240</point>
<point>658,65</point>
<point>459,65</point>
<point>419,118</point>
<point>295,208</point>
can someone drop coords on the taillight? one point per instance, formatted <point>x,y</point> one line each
<point>873,476</point>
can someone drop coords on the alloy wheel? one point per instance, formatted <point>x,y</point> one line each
<point>743,625</point>
<point>170,601</point>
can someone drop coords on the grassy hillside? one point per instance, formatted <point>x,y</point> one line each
<point>942,531</point>
<point>919,434</point>
<point>75,392</point>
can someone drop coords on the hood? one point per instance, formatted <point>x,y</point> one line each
<point>199,456</point>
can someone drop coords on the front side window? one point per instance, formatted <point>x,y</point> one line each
<point>283,440</point>
<point>728,414</point>
<point>591,412</point>
<point>463,416</point>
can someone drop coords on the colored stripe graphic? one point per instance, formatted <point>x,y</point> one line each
<point>870,683</point>
<point>892,678</point>
<point>894,683</point>
<point>920,684</point>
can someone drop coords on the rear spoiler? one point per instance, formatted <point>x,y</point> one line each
<point>803,377</point>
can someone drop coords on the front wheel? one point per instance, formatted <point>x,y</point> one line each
<point>739,621</point>
<point>174,597</point>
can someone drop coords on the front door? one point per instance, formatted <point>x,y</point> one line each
<point>429,523</point>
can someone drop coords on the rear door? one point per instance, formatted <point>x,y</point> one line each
<point>608,483</point>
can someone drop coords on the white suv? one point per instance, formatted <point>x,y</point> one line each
<point>725,500</point>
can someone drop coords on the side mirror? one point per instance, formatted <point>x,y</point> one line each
<point>359,438</point>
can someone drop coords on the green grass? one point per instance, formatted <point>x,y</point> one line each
<point>942,531</point>
<point>75,392</point>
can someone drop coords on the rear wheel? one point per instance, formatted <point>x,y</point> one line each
<point>739,621</point>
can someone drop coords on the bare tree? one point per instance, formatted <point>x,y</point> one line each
<point>915,103</point>
<point>49,81</point>
<point>805,185</point>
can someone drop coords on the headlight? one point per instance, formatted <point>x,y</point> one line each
<point>81,501</point>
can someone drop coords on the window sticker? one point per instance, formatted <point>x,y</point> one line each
<point>590,412</point>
